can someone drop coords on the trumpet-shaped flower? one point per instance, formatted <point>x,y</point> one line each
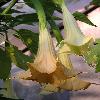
<point>58,77</point>
<point>45,61</point>
<point>72,33</point>
<point>46,68</point>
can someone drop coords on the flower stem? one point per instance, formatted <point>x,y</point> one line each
<point>41,14</point>
<point>43,22</point>
<point>56,31</point>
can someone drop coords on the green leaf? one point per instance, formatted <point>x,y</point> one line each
<point>30,18</point>
<point>48,5</point>
<point>96,47</point>
<point>21,59</point>
<point>92,56</point>
<point>96,50</point>
<point>55,30</point>
<point>82,17</point>
<point>18,57</point>
<point>96,2</point>
<point>5,64</point>
<point>98,65</point>
<point>29,3</point>
<point>30,39</point>
<point>59,2</point>
<point>11,11</point>
<point>27,19</point>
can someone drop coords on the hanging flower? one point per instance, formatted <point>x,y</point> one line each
<point>72,33</point>
<point>50,72</point>
<point>45,61</point>
<point>47,69</point>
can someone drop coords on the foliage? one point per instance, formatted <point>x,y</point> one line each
<point>18,57</point>
<point>30,39</point>
<point>93,55</point>
<point>96,2</point>
<point>82,17</point>
<point>5,64</point>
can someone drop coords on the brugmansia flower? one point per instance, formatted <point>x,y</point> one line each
<point>72,33</point>
<point>50,72</point>
<point>45,61</point>
<point>47,69</point>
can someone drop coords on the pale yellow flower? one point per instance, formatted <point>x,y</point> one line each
<point>45,61</point>
<point>64,77</point>
<point>48,70</point>
<point>45,68</point>
<point>51,72</point>
<point>72,33</point>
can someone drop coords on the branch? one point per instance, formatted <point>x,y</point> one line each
<point>9,7</point>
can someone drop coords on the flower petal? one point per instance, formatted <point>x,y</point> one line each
<point>75,84</point>
<point>52,78</point>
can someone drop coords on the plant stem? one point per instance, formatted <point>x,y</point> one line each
<point>9,7</point>
<point>56,31</point>
<point>43,22</point>
<point>41,14</point>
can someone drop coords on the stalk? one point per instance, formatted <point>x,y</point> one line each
<point>40,13</point>
<point>9,7</point>
<point>43,22</point>
<point>56,31</point>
